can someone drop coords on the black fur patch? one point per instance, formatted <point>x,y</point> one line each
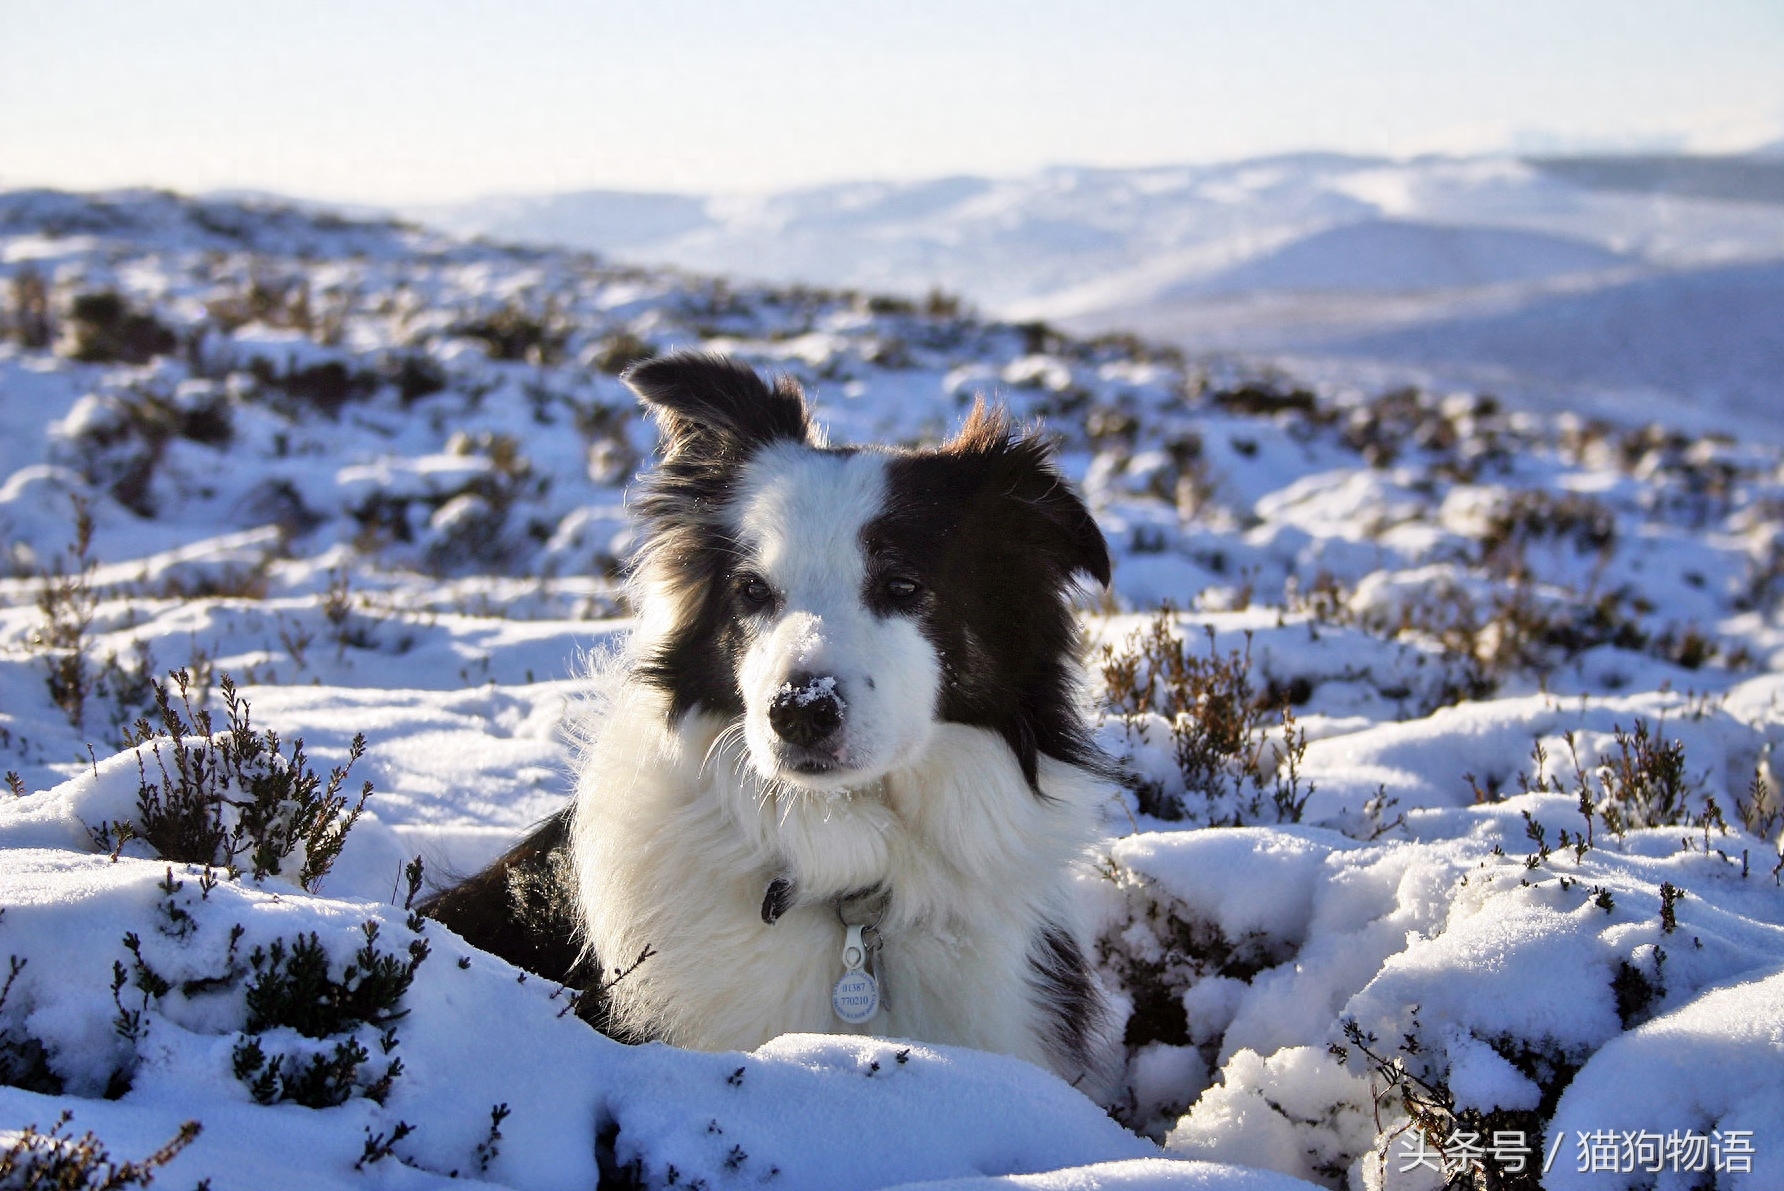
<point>702,399</point>
<point>994,535</point>
<point>1062,979</point>
<point>777,900</point>
<point>522,907</point>
<point>715,414</point>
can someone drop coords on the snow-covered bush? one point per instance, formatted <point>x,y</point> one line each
<point>291,989</point>
<point>104,329</point>
<point>233,797</point>
<point>1156,685</point>
<point>1321,1005</point>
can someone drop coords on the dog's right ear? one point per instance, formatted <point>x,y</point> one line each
<point>703,398</point>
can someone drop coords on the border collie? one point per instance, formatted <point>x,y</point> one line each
<point>840,779</point>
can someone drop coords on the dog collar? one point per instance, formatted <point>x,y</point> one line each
<point>777,899</point>
<point>859,995</point>
<point>861,907</point>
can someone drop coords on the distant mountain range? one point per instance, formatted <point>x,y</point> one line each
<point>1584,271</point>
<point>1755,177</point>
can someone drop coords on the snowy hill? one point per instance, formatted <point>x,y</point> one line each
<point>47,221</point>
<point>1390,256</point>
<point>1709,335</point>
<point>1287,254</point>
<point>1449,784</point>
<point>1757,177</point>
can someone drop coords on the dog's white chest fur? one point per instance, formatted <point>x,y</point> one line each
<point>676,851</point>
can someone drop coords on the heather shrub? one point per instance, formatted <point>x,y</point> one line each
<point>326,387</point>
<point>104,329</point>
<point>119,439</point>
<point>513,333</point>
<point>620,350</point>
<point>1217,724</point>
<point>293,986</point>
<point>53,1160</point>
<point>1524,519</point>
<point>233,797</point>
<point>29,318</point>
<point>75,674</point>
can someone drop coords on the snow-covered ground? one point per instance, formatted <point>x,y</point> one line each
<point>1515,873</point>
<point>1551,282</point>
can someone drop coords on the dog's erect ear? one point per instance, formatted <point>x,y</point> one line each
<point>699,396</point>
<point>1021,469</point>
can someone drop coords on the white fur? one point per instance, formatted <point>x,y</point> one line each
<point>679,830</point>
<point>800,515</point>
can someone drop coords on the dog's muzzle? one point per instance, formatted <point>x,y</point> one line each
<point>807,713</point>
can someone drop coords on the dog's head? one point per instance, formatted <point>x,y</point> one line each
<point>839,603</point>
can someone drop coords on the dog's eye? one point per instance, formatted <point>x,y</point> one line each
<point>902,589</point>
<point>755,591</point>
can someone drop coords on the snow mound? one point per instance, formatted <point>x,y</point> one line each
<point>1710,1068</point>
<point>471,1033</point>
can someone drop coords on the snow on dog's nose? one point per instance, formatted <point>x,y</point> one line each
<point>807,710</point>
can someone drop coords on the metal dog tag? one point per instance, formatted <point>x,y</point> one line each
<point>856,997</point>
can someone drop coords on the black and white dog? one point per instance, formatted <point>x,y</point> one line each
<point>851,701</point>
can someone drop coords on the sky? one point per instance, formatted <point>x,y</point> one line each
<point>420,101</point>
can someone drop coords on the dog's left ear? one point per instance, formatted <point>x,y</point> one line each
<point>703,398</point>
<point>1020,469</point>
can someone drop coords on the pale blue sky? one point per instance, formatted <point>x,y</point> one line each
<point>424,100</point>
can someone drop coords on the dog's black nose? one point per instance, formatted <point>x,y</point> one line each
<point>806,710</point>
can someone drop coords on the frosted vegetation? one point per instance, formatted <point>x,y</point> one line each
<point>1450,803</point>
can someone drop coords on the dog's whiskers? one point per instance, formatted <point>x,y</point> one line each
<point>730,734</point>
<point>743,766</point>
<point>786,803</point>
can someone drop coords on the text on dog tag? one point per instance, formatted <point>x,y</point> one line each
<point>856,997</point>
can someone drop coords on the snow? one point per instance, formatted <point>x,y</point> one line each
<point>1712,1065</point>
<point>816,689</point>
<point>1441,931</point>
<point>1471,612</point>
<point>184,1065</point>
<point>472,1037</point>
<point>1141,1174</point>
<point>1527,277</point>
<point>1708,335</point>
<point>1391,255</point>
